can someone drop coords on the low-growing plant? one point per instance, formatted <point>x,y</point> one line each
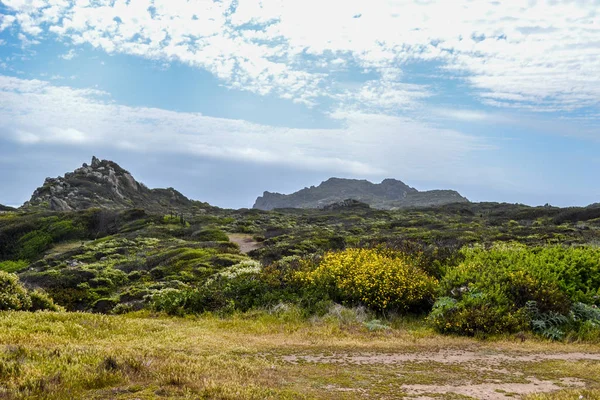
<point>246,267</point>
<point>211,235</point>
<point>13,296</point>
<point>34,243</point>
<point>13,266</point>
<point>40,301</point>
<point>347,315</point>
<point>170,301</point>
<point>376,325</point>
<point>549,324</point>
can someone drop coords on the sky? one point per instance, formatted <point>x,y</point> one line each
<point>223,100</point>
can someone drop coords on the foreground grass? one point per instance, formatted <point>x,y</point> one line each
<point>258,356</point>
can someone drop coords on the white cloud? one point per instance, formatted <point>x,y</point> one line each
<point>464,115</point>
<point>71,54</point>
<point>26,41</point>
<point>382,95</point>
<point>540,54</point>
<point>37,113</point>
<point>6,21</point>
<point>386,34</point>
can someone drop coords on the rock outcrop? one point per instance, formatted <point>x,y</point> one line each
<point>348,204</point>
<point>389,194</point>
<point>102,184</point>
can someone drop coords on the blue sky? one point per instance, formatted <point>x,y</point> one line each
<point>499,100</point>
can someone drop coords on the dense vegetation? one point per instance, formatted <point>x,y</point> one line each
<point>468,269</point>
<point>510,288</point>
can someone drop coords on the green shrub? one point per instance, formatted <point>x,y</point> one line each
<point>212,298</point>
<point>211,235</point>
<point>245,267</point>
<point>191,301</point>
<point>282,273</point>
<point>65,229</point>
<point>68,287</point>
<point>227,260</point>
<point>105,305</point>
<point>171,301</point>
<point>238,287</point>
<point>33,244</point>
<point>283,285</point>
<point>13,295</point>
<point>508,288</point>
<point>40,301</point>
<point>13,266</point>
<point>474,314</point>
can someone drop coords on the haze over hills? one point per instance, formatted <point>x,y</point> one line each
<point>104,184</point>
<point>387,195</point>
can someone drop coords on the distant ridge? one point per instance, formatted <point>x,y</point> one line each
<point>103,184</point>
<point>6,208</point>
<point>387,195</point>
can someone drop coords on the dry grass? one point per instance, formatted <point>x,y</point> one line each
<point>73,355</point>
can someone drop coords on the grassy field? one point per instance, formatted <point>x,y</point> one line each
<point>262,355</point>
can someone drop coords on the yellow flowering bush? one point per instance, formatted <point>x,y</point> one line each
<point>378,280</point>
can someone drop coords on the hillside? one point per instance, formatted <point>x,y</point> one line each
<point>103,184</point>
<point>5,208</point>
<point>388,195</point>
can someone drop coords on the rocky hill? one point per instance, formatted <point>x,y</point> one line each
<point>389,194</point>
<point>103,184</point>
<point>5,208</point>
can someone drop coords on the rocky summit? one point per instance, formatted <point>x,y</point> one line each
<point>102,184</point>
<point>387,195</point>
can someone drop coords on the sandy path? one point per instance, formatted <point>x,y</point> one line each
<point>246,243</point>
<point>444,357</point>
<point>512,376</point>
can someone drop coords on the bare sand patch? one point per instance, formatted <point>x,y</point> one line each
<point>245,242</point>
<point>489,374</point>
<point>444,357</point>
<point>493,391</point>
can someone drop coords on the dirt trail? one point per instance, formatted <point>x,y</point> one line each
<point>493,391</point>
<point>444,357</point>
<point>246,243</point>
<point>490,375</point>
